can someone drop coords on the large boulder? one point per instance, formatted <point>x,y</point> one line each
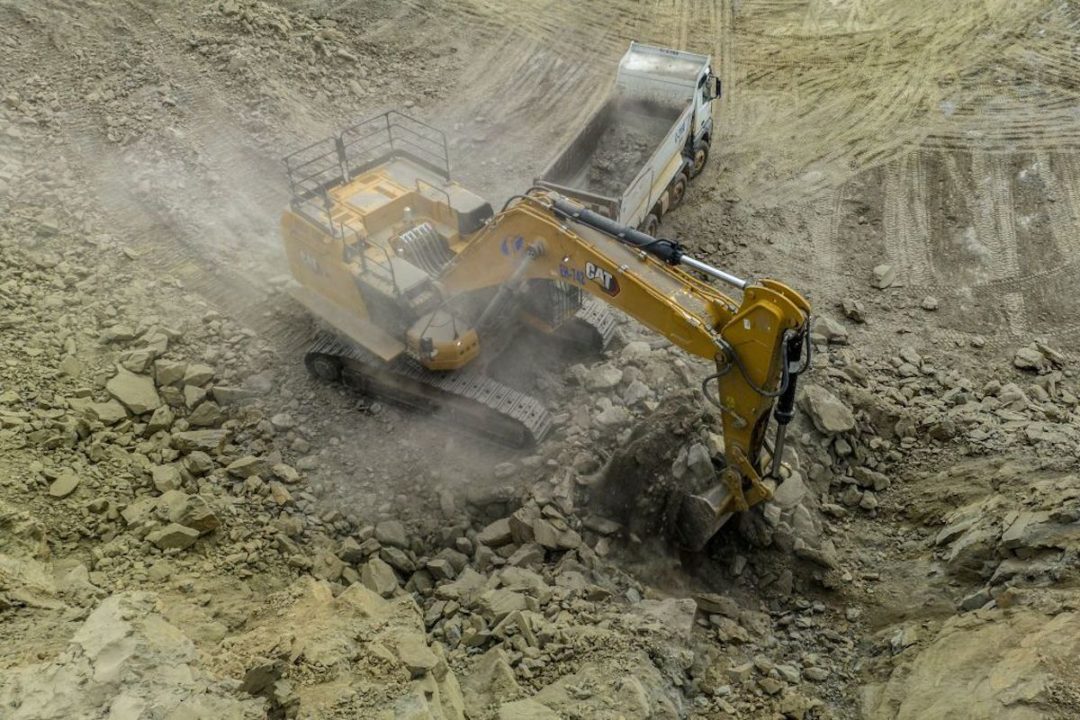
<point>135,392</point>
<point>64,485</point>
<point>496,534</point>
<point>168,372</point>
<point>392,532</point>
<point>634,691</point>
<point>166,477</point>
<point>379,577</point>
<point>491,681</point>
<point>210,441</point>
<point>109,413</point>
<point>173,536</point>
<point>247,466</point>
<point>828,413</point>
<point>603,377</point>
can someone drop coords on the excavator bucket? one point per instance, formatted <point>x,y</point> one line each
<point>697,517</point>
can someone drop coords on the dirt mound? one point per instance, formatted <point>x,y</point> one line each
<point>620,154</point>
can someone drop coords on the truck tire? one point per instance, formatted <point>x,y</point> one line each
<point>324,367</point>
<point>650,224</point>
<point>701,156</point>
<point>677,191</point>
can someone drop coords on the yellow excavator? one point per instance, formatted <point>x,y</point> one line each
<point>414,279</point>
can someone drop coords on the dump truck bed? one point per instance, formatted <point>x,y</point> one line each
<point>624,155</point>
<point>630,149</point>
<point>613,147</point>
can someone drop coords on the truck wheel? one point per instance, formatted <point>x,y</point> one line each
<point>650,224</point>
<point>701,156</point>
<point>324,367</point>
<point>677,191</point>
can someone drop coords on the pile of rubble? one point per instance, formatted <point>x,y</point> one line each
<point>160,471</point>
<point>168,464</point>
<point>1005,535</point>
<point>135,465</point>
<point>1019,527</point>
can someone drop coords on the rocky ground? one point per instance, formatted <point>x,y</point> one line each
<point>192,528</point>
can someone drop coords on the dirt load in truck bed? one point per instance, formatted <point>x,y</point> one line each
<point>616,145</point>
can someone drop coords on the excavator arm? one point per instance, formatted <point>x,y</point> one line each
<point>756,344</point>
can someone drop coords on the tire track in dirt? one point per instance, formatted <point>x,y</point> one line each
<point>683,14</point>
<point>984,227</point>
<point>860,78</point>
<point>995,227</point>
<point>724,29</point>
<point>661,24</point>
<point>545,78</point>
<point>824,228</point>
<point>905,219</point>
<point>1027,98</point>
<point>993,179</point>
<point>567,28</point>
<point>1062,174</point>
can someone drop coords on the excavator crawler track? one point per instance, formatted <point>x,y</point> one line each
<point>467,397</point>
<point>595,315</point>
<point>588,332</point>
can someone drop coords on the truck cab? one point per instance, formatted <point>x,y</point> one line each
<point>674,76</point>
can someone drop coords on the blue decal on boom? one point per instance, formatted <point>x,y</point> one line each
<point>512,246</point>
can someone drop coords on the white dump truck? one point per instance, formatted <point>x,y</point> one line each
<point>634,157</point>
